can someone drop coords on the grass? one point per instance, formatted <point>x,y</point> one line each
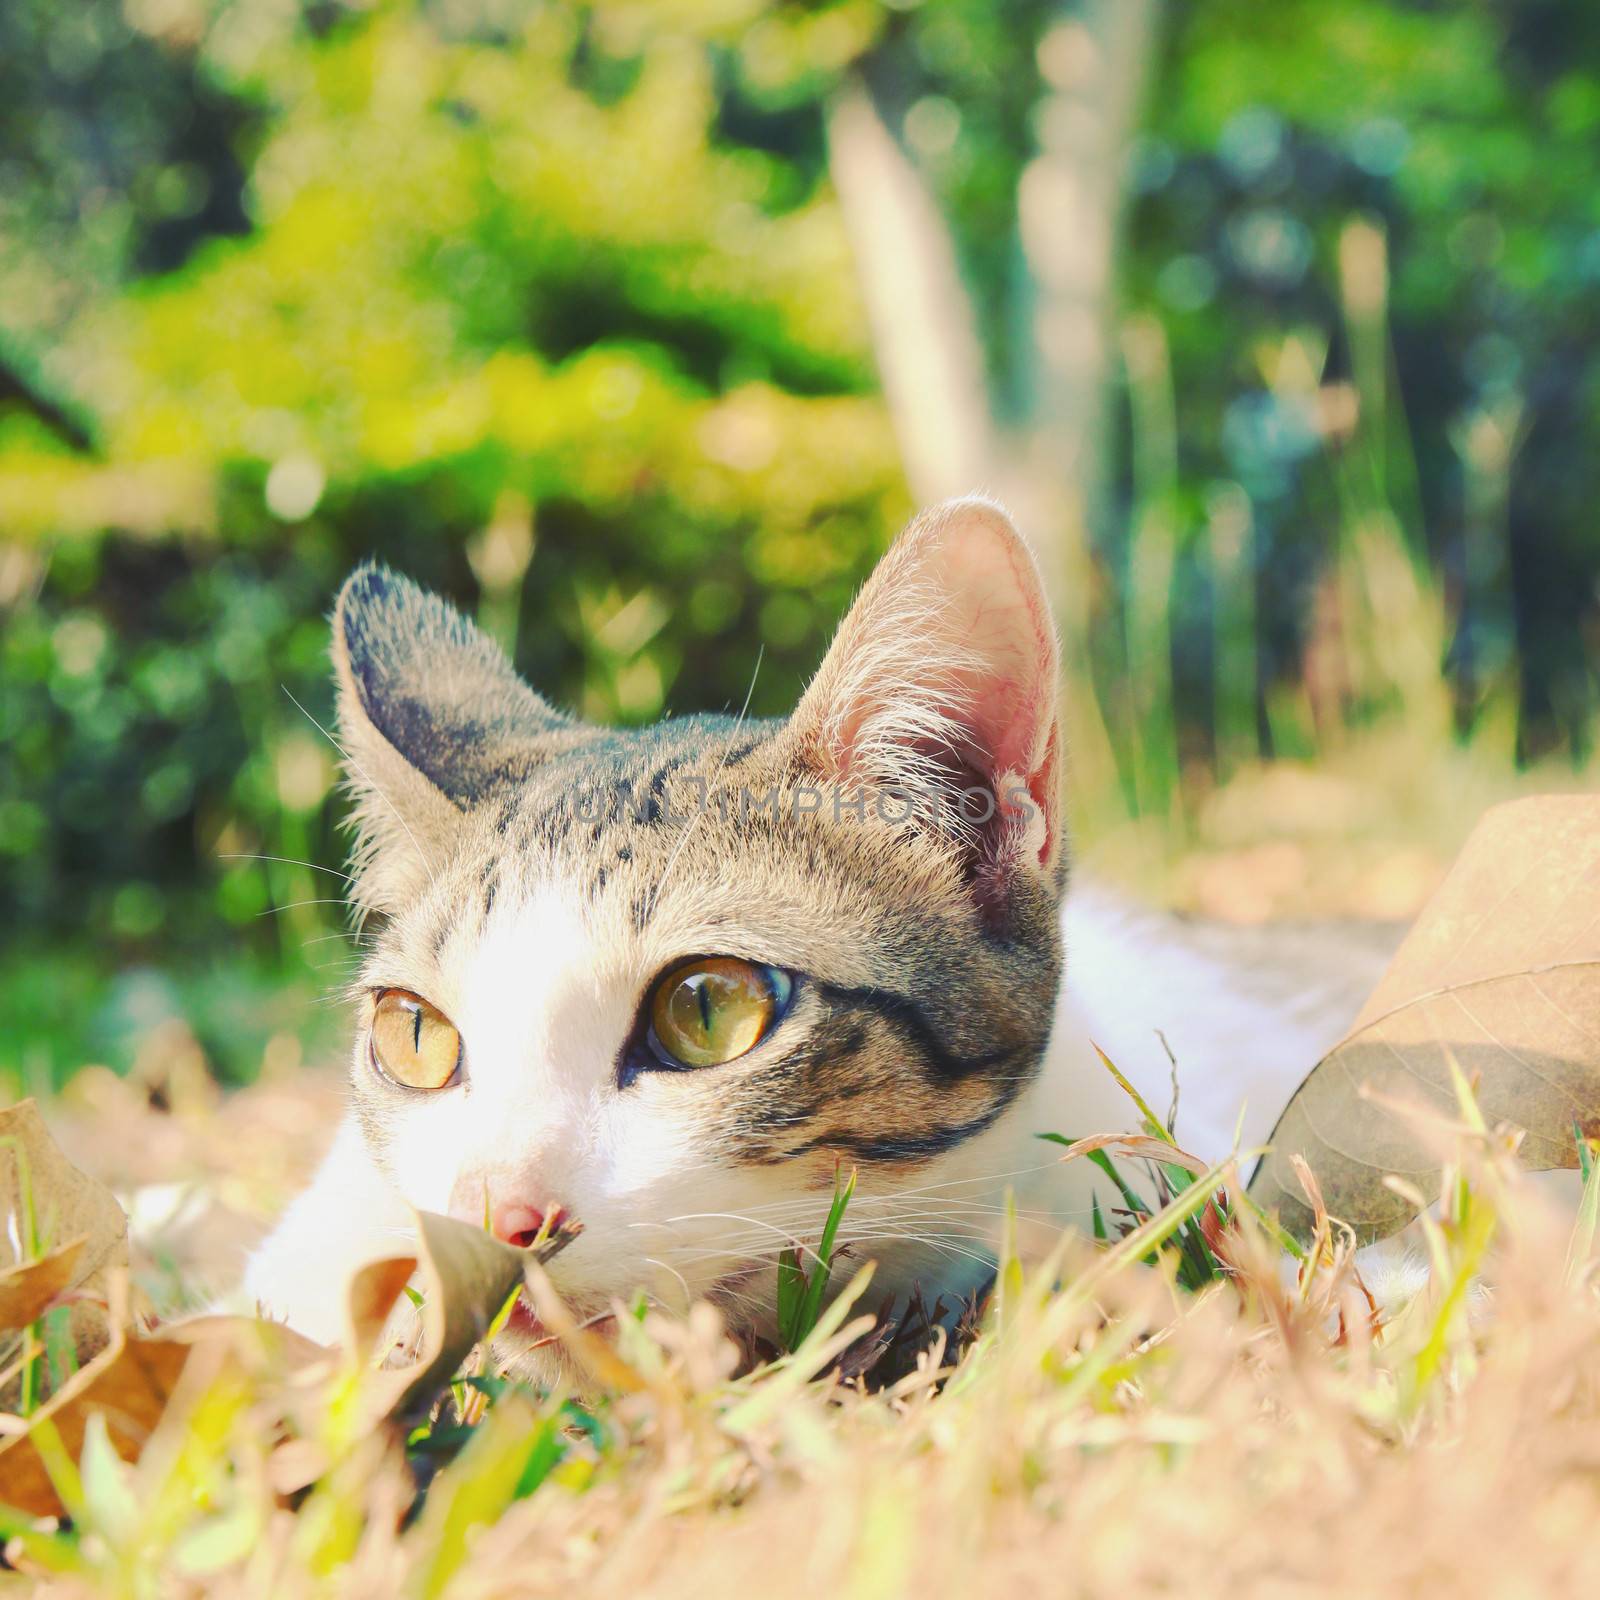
<point>1119,1421</point>
<point>800,1290</point>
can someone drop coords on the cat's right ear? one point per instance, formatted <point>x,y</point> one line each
<point>433,719</point>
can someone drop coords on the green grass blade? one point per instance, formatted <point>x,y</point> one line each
<point>791,1295</point>
<point>817,1280</point>
<point>1134,1201</point>
<point>1157,1129</point>
<point>1154,1232</point>
<point>1581,1244</point>
<point>543,1458</point>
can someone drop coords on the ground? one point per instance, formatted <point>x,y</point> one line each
<point>1120,1426</point>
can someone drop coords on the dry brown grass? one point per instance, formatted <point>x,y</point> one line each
<point>1108,1434</point>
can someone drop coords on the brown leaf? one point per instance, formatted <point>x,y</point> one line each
<point>264,1348</point>
<point>73,1216</point>
<point>1502,971</point>
<point>370,1298</point>
<point>467,1276</point>
<point>131,1382</point>
<point>27,1291</point>
<point>65,1203</point>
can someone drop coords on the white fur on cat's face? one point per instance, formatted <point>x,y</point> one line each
<point>544,1000</point>
<point>544,993</point>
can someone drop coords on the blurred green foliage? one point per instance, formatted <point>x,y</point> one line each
<point>1467,137</point>
<point>506,307</point>
<point>551,306</point>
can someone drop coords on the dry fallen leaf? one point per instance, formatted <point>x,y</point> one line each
<point>128,1379</point>
<point>1502,971</point>
<point>54,1215</point>
<point>131,1383</point>
<point>64,1202</point>
<point>27,1291</point>
<point>467,1276</point>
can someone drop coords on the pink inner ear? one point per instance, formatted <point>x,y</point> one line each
<point>997,614</point>
<point>960,626</point>
<point>947,664</point>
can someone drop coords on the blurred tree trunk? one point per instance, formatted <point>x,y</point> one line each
<point>930,358</point>
<point>1053,469</point>
<point>1094,62</point>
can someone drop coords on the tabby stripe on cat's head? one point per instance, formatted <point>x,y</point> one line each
<point>878,1084</point>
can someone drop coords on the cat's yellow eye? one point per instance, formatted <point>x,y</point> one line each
<point>716,1009</point>
<point>413,1043</point>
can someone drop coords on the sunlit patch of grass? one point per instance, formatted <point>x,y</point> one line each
<point>1197,1240</point>
<point>1119,1416</point>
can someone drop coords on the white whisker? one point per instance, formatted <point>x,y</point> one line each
<point>733,1216</point>
<point>288,861</point>
<point>295,905</point>
<point>364,775</point>
<point>688,1293</point>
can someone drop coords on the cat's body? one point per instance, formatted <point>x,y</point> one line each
<point>669,981</point>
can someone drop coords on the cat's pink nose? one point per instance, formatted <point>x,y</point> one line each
<point>520,1224</point>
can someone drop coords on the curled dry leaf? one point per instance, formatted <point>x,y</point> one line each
<point>128,1379</point>
<point>64,1232</point>
<point>467,1275</point>
<point>65,1203</point>
<point>1502,973</point>
<point>28,1290</point>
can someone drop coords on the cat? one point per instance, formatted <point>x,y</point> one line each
<point>669,982</point>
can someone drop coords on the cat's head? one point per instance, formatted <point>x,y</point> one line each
<point>670,979</point>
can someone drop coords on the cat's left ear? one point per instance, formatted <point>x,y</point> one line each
<point>944,676</point>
